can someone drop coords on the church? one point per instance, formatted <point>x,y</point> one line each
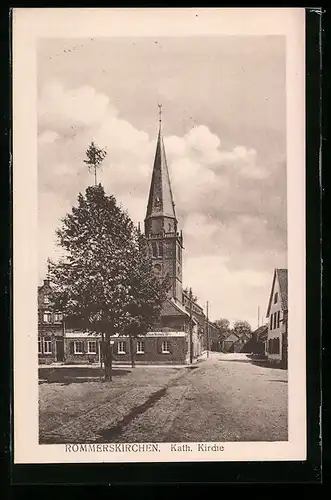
<point>179,337</point>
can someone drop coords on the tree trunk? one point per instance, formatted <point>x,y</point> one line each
<point>107,358</point>
<point>132,352</point>
<point>101,350</point>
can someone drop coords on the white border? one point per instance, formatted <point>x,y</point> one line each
<point>28,26</point>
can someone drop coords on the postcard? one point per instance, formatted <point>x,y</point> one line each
<point>159,235</point>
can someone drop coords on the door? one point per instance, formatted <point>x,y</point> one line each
<point>59,350</point>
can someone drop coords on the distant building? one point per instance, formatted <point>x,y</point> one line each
<point>234,342</point>
<point>229,341</point>
<point>259,340</point>
<point>277,348</point>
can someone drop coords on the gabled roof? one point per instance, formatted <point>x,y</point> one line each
<point>282,278</point>
<point>281,275</point>
<point>160,200</point>
<point>229,335</point>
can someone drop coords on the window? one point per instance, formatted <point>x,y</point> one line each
<point>121,347</point>
<point>79,347</point>
<point>47,317</point>
<point>154,249</point>
<point>91,347</point>
<point>46,299</point>
<point>278,319</point>
<point>140,347</point>
<point>270,322</point>
<point>47,347</point>
<point>57,317</point>
<point>276,298</point>
<point>165,346</point>
<point>160,249</point>
<point>40,350</point>
<point>274,346</point>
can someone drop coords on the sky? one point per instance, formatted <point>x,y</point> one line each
<point>224,126</point>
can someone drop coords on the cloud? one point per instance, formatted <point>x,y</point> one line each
<point>48,136</point>
<point>231,207</point>
<point>81,106</point>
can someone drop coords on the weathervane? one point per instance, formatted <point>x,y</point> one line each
<point>160,113</point>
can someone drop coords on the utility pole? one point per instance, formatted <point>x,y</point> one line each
<point>258,317</point>
<point>191,327</point>
<point>207,329</point>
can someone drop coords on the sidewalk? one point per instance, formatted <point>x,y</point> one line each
<point>120,365</point>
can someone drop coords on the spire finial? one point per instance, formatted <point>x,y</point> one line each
<point>160,113</point>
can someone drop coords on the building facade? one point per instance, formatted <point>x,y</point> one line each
<point>50,328</point>
<point>277,313</point>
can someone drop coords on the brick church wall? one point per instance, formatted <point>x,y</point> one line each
<point>153,350</point>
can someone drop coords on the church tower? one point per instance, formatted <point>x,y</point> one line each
<point>161,231</point>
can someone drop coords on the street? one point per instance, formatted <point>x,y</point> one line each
<point>223,398</point>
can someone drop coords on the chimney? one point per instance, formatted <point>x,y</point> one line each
<point>47,282</point>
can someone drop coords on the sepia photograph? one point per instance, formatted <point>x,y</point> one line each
<point>162,256</point>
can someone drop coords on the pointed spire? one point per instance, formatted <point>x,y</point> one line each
<point>160,201</point>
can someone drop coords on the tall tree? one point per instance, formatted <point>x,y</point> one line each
<point>104,283</point>
<point>242,327</point>
<point>94,159</point>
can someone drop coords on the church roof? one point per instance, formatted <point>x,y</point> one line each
<point>172,308</point>
<point>160,201</point>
